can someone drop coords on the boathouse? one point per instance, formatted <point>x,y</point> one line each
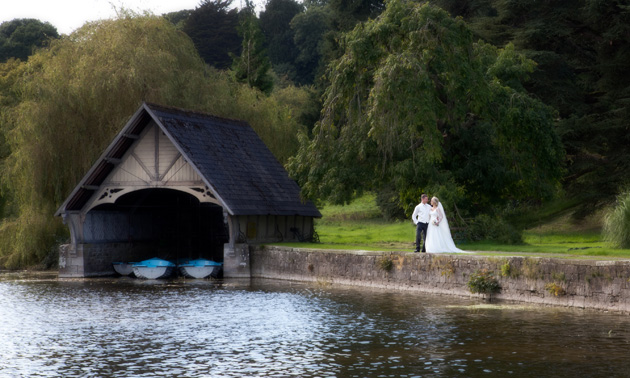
<point>180,184</point>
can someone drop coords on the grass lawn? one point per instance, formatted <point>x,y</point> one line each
<point>359,226</point>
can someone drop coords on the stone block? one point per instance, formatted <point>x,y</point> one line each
<point>236,261</point>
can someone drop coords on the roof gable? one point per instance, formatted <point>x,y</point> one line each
<point>227,154</point>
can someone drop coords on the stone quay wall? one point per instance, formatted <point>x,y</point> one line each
<point>603,285</point>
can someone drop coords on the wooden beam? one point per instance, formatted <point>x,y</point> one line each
<point>131,136</point>
<point>113,160</point>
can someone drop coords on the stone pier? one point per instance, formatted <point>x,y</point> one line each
<point>603,285</point>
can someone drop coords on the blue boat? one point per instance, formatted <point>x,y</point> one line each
<point>201,268</point>
<point>124,268</point>
<point>153,269</point>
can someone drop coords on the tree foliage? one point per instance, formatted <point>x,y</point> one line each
<point>64,106</point>
<point>275,22</point>
<point>416,104</point>
<point>19,37</point>
<point>178,18</point>
<point>617,222</point>
<point>253,65</point>
<point>213,29</point>
<point>309,29</point>
<point>344,15</point>
<point>583,53</point>
<point>347,13</point>
<point>600,159</point>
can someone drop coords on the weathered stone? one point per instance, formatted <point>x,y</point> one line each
<point>237,263</point>
<point>587,284</point>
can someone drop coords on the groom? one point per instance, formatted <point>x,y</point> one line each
<point>420,218</point>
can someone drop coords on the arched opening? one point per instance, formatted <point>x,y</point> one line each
<point>164,223</point>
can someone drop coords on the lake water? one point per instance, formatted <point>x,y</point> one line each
<point>132,328</point>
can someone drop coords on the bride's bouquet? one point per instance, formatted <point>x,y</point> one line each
<point>435,222</point>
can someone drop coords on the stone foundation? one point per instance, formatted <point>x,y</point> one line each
<point>95,260</point>
<point>603,285</point>
<point>236,263</point>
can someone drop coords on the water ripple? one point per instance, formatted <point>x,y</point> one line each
<point>127,328</point>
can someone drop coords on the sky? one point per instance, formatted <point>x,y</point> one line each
<point>68,15</point>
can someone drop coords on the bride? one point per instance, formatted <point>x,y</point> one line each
<point>439,238</point>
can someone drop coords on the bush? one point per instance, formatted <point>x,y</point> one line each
<point>30,241</point>
<point>617,223</point>
<point>388,202</point>
<point>555,289</point>
<point>486,227</point>
<point>483,281</point>
<point>385,263</point>
<point>507,270</point>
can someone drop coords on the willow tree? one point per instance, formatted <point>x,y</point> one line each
<point>64,106</point>
<point>417,105</point>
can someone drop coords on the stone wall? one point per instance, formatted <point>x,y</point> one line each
<point>94,260</point>
<point>594,284</point>
<point>236,262</point>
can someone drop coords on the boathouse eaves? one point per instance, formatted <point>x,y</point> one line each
<point>230,158</point>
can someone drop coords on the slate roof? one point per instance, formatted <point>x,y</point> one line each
<point>228,154</point>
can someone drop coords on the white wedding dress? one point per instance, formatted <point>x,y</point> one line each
<point>439,239</point>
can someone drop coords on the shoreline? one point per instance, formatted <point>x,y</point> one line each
<point>564,281</point>
<point>579,283</point>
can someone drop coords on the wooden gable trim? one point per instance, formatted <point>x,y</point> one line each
<point>91,183</point>
<point>188,160</point>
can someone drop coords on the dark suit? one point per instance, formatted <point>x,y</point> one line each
<point>421,233</point>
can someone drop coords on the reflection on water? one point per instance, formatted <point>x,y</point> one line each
<point>131,328</point>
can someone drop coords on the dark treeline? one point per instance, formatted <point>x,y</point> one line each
<point>19,37</point>
<point>516,102</point>
<point>300,38</point>
<point>581,50</point>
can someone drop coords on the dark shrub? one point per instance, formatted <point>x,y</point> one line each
<point>387,200</point>
<point>486,227</point>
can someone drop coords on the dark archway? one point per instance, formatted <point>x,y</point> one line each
<point>164,223</point>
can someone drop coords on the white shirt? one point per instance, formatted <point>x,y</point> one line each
<point>421,213</point>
